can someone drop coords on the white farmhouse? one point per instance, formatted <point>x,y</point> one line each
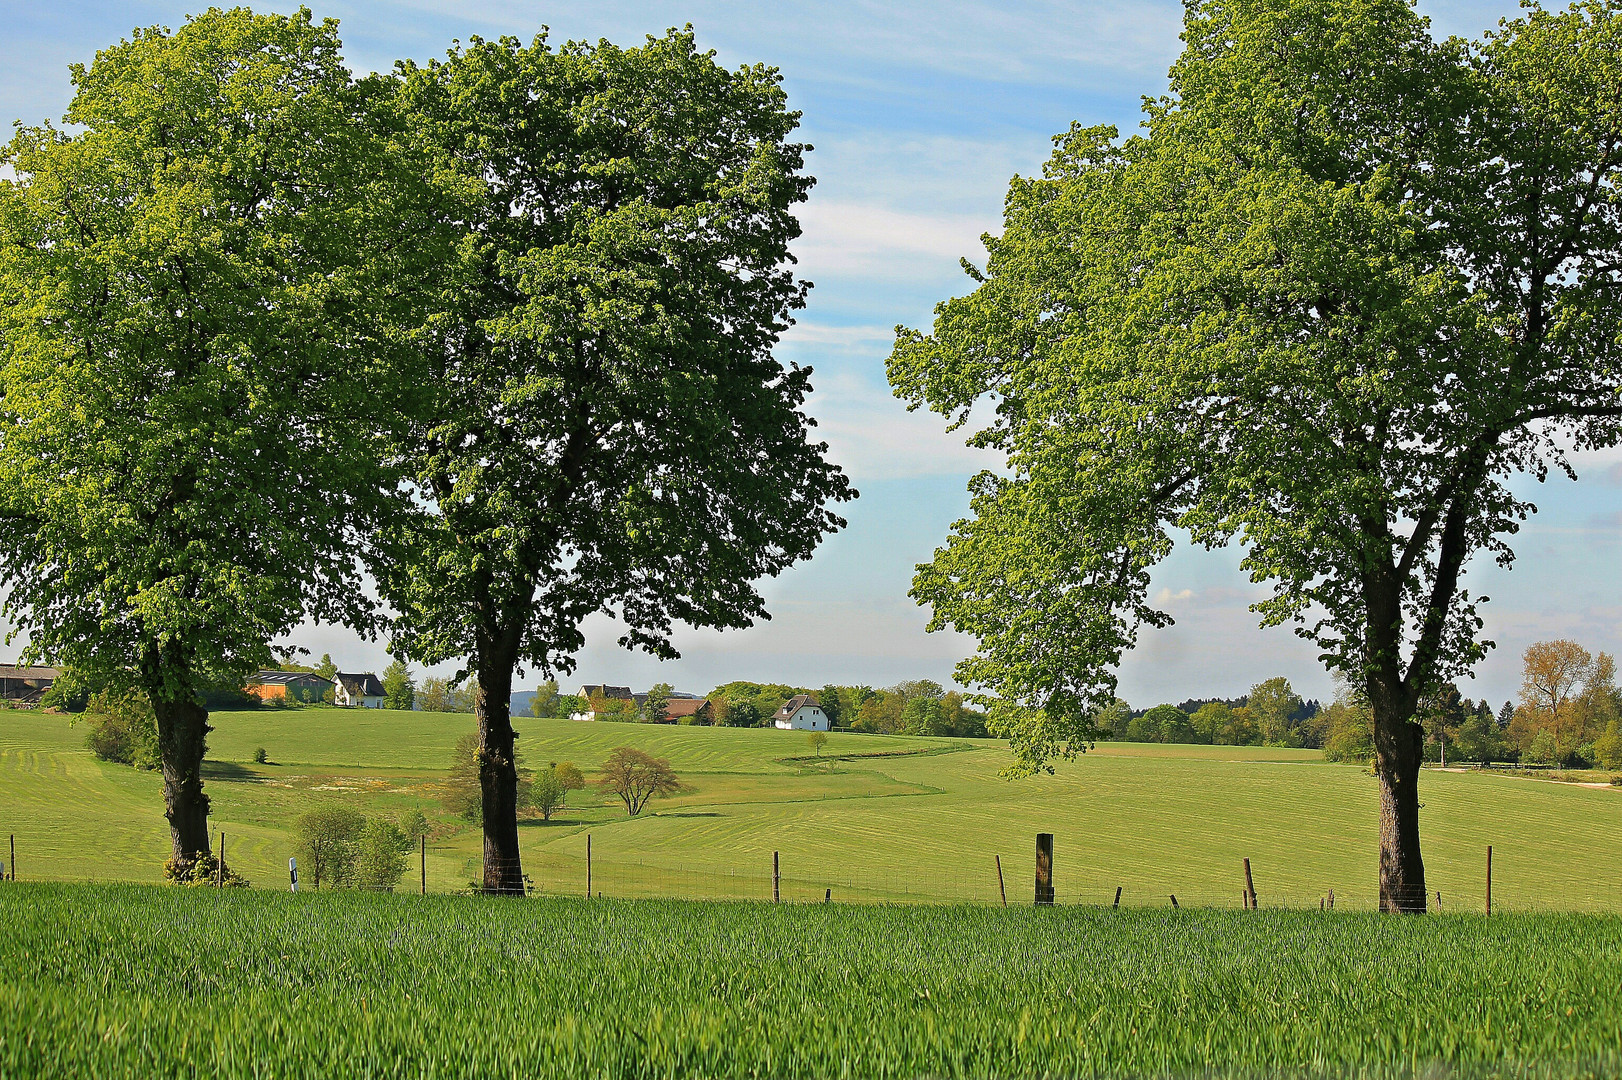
<point>800,713</point>
<point>360,690</point>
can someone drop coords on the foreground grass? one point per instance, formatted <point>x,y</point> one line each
<point>146,981</point>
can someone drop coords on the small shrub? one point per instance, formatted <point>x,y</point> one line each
<point>1616,781</point>
<point>260,757</point>
<point>380,856</point>
<point>202,873</point>
<point>123,729</point>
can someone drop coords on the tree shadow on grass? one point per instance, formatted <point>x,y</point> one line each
<point>227,770</point>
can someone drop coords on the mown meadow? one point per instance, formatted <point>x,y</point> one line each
<point>115,981</point>
<point>875,818</point>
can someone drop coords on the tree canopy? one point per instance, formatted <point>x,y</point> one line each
<point>603,426</point>
<point>187,301</point>
<point>1346,285</point>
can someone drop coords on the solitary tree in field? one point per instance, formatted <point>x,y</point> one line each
<point>635,777</point>
<point>187,287</point>
<point>1348,283</point>
<point>604,427</point>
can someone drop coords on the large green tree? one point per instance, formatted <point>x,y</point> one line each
<point>603,427</point>
<point>184,347</point>
<point>1346,285</point>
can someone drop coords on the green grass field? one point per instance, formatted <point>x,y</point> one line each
<point>134,981</point>
<point>894,819</point>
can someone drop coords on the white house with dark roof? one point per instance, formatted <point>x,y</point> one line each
<point>800,713</point>
<point>361,690</point>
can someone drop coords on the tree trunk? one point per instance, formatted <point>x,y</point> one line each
<point>182,739</point>
<point>498,781</point>
<point>1399,750</point>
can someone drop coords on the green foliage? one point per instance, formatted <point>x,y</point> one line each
<point>1608,748</point>
<point>1543,749</point>
<point>655,704</point>
<point>122,728</point>
<point>1339,293</point>
<point>413,825</point>
<point>327,844</point>
<point>1273,704</point>
<point>191,274</point>
<point>399,689</point>
<point>69,692</point>
<point>261,756</point>
<point>380,860</point>
<point>203,872</point>
<point>1217,994</point>
<point>601,425</point>
<point>547,793</point>
<point>1349,733</point>
<point>547,702</point>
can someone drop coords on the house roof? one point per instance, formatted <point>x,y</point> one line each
<point>283,678</point>
<point>685,706</point>
<point>363,684</point>
<point>792,706</point>
<point>16,671</point>
<point>594,689</point>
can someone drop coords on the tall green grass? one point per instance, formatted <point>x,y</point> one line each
<point>149,981</point>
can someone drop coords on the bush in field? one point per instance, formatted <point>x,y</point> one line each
<point>380,859</point>
<point>1608,748</point>
<point>413,825</point>
<point>1544,750</point>
<point>123,728</point>
<point>326,842</point>
<point>547,793</point>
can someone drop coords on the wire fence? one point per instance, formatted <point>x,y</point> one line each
<point>1001,880</point>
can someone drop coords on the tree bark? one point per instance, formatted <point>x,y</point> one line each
<point>498,781</point>
<point>1399,750</point>
<point>182,740</point>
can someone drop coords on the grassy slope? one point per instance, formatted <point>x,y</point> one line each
<point>132,981</point>
<point>1155,820</point>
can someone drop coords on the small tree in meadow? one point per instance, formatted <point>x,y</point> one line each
<point>636,777</point>
<point>380,859</point>
<point>547,793</point>
<point>326,842</point>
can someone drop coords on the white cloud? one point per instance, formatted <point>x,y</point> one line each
<point>877,241</point>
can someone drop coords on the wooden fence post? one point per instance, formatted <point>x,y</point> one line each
<point>1173,899</point>
<point>1250,888</point>
<point>828,897</point>
<point>1489,876</point>
<point>1044,868</point>
<point>1001,888</point>
<point>588,866</point>
<point>777,895</point>
<point>422,861</point>
<point>1117,897</point>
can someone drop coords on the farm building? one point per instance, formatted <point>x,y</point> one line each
<point>25,685</point>
<point>800,713</point>
<point>679,706</point>
<point>362,690</point>
<point>289,686</point>
<point>678,709</point>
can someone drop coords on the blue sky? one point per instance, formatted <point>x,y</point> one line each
<point>920,113</point>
